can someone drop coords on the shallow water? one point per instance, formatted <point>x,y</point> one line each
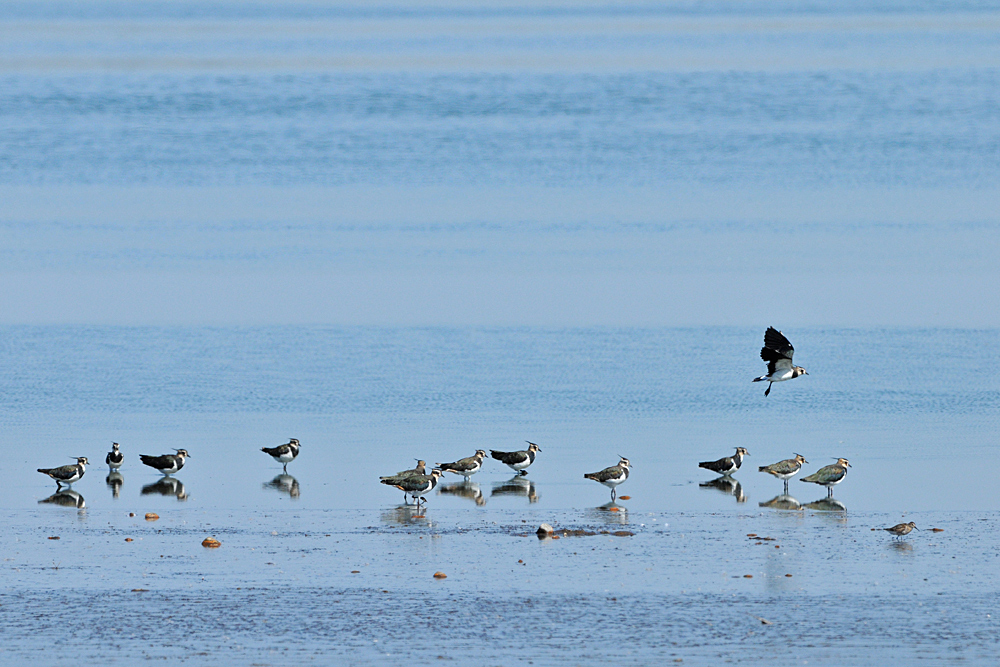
<point>409,231</point>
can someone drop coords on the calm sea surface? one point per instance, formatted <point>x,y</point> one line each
<point>411,230</point>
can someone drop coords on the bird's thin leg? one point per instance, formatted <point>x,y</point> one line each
<point>613,494</point>
<point>786,487</point>
<point>829,492</point>
<point>286,468</point>
<point>768,390</point>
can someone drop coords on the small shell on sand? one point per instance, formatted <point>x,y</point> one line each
<point>440,575</point>
<point>150,516</point>
<point>211,543</point>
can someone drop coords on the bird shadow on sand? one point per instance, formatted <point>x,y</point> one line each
<point>726,485</point>
<point>166,486</point>
<point>516,486</point>
<point>115,480</point>
<point>284,483</point>
<point>463,489</point>
<point>65,498</point>
<point>609,513</point>
<point>782,502</point>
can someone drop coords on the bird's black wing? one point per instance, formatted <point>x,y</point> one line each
<point>158,462</point>
<point>60,473</point>
<point>775,360</point>
<point>509,457</point>
<point>775,340</point>
<point>614,472</point>
<point>275,451</point>
<point>721,465</point>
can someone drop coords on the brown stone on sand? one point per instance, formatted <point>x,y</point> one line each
<point>440,575</point>
<point>128,539</point>
<point>150,516</point>
<point>211,543</point>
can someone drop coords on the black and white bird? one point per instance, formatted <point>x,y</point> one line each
<point>395,480</point>
<point>785,469</point>
<point>829,476</point>
<point>168,464</point>
<point>283,454</point>
<point>417,485</point>
<point>517,461</point>
<point>777,352</point>
<point>901,529</point>
<point>115,458</point>
<point>66,475</point>
<point>466,467</point>
<point>613,476</point>
<point>727,465</point>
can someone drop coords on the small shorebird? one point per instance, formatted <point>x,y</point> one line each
<point>727,465</point>
<point>115,458</point>
<point>283,454</point>
<point>777,352</point>
<point>168,464</point>
<point>69,473</point>
<point>901,529</point>
<point>395,480</point>
<point>829,475</point>
<point>417,485</point>
<point>517,461</point>
<point>466,467</point>
<point>613,476</point>
<point>785,469</point>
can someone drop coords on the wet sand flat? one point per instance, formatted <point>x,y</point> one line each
<point>318,586</point>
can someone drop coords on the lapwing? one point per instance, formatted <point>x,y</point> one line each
<point>777,352</point>
<point>418,485</point>
<point>901,529</point>
<point>466,467</point>
<point>613,476</point>
<point>517,461</point>
<point>829,475</point>
<point>168,464</point>
<point>66,475</point>
<point>283,454</point>
<point>394,480</point>
<point>115,458</point>
<point>785,469</point>
<point>727,465</point>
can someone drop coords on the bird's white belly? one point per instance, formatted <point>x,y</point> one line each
<point>520,466</point>
<point>284,458</point>
<point>781,375</point>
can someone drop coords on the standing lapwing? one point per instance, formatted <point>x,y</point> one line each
<point>69,473</point>
<point>418,485</point>
<point>115,458</point>
<point>395,480</point>
<point>168,464</point>
<point>829,475</point>
<point>727,465</point>
<point>785,469</point>
<point>777,352</point>
<point>517,461</point>
<point>466,467</point>
<point>901,529</point>
<point>283,454</point>
<point>613,476</point>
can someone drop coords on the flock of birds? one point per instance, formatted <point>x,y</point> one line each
<point>416,482</point>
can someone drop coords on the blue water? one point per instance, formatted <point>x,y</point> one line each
<point>411,230</point>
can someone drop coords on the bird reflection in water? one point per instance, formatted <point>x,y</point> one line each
<point>114,481</point>
<point>516,486</point>
<point>166,486</point>
<point>610,513</point>
<point>902,547</point>
<point>782,502</point>
<point>728,486</point>
<point>468,490</point>
<point>405,515</point>
<point>284,483</point>
<point>827,505</point>
<point>65,498</point>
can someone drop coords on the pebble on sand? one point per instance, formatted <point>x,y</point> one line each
<point>211,543</point>
<point>440,575</point>
<point>150,516</point>
<point>54,537</point>
<point>128,539</point>
<point>624,497</point>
